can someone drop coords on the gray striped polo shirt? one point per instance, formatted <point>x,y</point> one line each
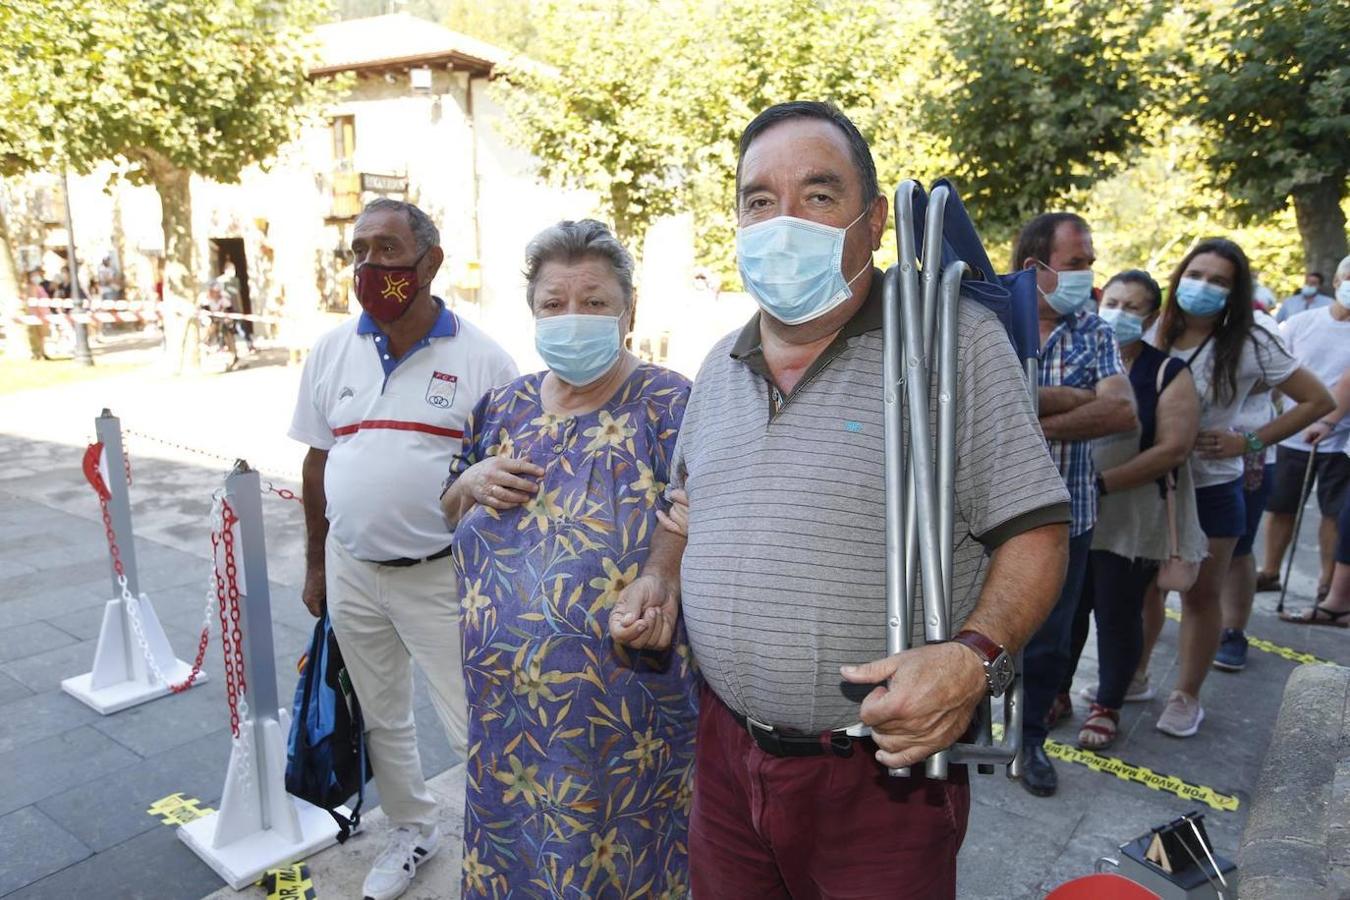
<point>783,577</point>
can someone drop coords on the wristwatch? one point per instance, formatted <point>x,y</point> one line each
<point>998,665</point>
<point>1254,443</point>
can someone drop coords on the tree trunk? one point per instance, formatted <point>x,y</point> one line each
<point>13,296</point>
<point>182,330</point>
<point>1321,225</point>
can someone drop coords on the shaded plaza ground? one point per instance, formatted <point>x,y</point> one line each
<point>76,785</point>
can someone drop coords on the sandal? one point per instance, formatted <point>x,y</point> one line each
<point>1322,591</point>
<point>1100,729</point>
<point>1319,615</point>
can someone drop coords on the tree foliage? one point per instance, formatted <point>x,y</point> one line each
<point>650,96</point>
<point>208,87</point>
<point>1272,88</point>
<point>1037,98</point>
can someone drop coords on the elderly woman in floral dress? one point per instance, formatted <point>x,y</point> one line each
<point>580,750</point>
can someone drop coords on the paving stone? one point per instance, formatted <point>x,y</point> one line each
<point>11,689</point>
<point>1003,856</point>
<point>30,719</point>
<point>113,809</point>
<point>168,721</point>
<point>26,640</point>
<point>58,763</point>
<point>32,846</point>
<point>12,568</point>
<point>49,601</point>
<point>44,671</point>
<point>154,865</point>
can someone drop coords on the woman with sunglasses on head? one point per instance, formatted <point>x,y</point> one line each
<point>1208,323</point>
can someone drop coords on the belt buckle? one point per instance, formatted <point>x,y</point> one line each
<point>752,723</point>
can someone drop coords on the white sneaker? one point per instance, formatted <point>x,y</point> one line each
<point>396,866</point>
<point>1182,715</point>
<point>1139,691</point>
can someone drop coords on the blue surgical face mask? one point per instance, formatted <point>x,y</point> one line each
<point>1308,290</point>
<point>1343,293</point>
<point>1072,292</point>
<point>1200,298</point>
<point>794,267</point>
<point>1127,326</point>
<point>578,348</point>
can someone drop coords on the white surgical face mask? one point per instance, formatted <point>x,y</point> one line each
<point>1308,290</point>
<point>794,267</point>
<point>1343,293</point>
<point>578,348</point>
<point>1072,292</point>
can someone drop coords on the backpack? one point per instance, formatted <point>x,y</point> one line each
<point>326,759</point>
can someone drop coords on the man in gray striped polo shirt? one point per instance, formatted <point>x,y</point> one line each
<point>784,569</point>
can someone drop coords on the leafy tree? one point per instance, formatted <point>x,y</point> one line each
<point>1037,98</point>
<point>175,87</point>
<point>650,96</point>
<point>509,24</point>
<point>1272,88</point>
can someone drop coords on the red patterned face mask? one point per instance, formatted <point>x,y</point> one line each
<point>386,292</point>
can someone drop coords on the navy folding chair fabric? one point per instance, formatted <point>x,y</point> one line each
<point>1011,297</point>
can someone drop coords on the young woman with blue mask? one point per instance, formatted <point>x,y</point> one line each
<point>1132,536</point>
<point>1208,322</point>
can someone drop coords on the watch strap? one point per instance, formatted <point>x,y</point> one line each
<point>986,647</point>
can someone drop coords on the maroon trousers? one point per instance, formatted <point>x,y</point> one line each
<point>816,827</point>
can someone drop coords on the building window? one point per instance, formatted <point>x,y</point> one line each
<point>344,138</point>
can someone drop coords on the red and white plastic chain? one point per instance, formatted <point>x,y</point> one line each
<point>94,473</point>
<point>283,493</point>
<point>231,636</point>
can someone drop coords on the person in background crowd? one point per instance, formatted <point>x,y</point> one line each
<point>1084,394</point>
<point>1309,296</point>
<point>1210,326</point>
<point>1334,608</point>
<point>383,401</point>
<point>1320,341</point>
<point>1132,536</point>
<point>556,500</point>
<point>37,334</point>
<point>1259,478</point>
<point>782,582</point>
<point>108,280</point>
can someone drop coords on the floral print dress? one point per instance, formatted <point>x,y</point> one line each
<point>581,751</point>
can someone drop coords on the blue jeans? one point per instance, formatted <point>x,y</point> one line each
<point>1047,655</point>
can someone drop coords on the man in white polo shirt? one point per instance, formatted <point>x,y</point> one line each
<point>383,401</point>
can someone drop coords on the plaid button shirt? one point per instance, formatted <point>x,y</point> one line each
<point>1079,353</point>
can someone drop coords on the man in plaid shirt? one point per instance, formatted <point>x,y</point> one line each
<point>1084,394</point>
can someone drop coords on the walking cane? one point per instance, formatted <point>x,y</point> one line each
<point>1298,523</point>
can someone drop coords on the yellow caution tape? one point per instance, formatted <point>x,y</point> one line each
<point>176,809</point>
<point>1142,775</point>
<point>1288,653</point>
<point>289,883</point>
<point>1118,768</point>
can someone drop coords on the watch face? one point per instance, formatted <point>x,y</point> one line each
<point>1000,673</point>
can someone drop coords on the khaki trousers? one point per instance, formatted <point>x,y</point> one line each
<point>386,617</point>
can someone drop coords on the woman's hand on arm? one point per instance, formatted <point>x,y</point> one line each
<point>498,482</point>
<point>677,519</point>
<point>1178,419</point>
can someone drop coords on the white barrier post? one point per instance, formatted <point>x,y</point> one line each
<point>131,665</point>
<point>259,826</point>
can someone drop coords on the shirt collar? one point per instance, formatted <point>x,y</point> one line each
<point>446,325</point>
<point>867,318</point>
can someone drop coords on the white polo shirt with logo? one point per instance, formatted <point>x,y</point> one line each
<point>391,427</point>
